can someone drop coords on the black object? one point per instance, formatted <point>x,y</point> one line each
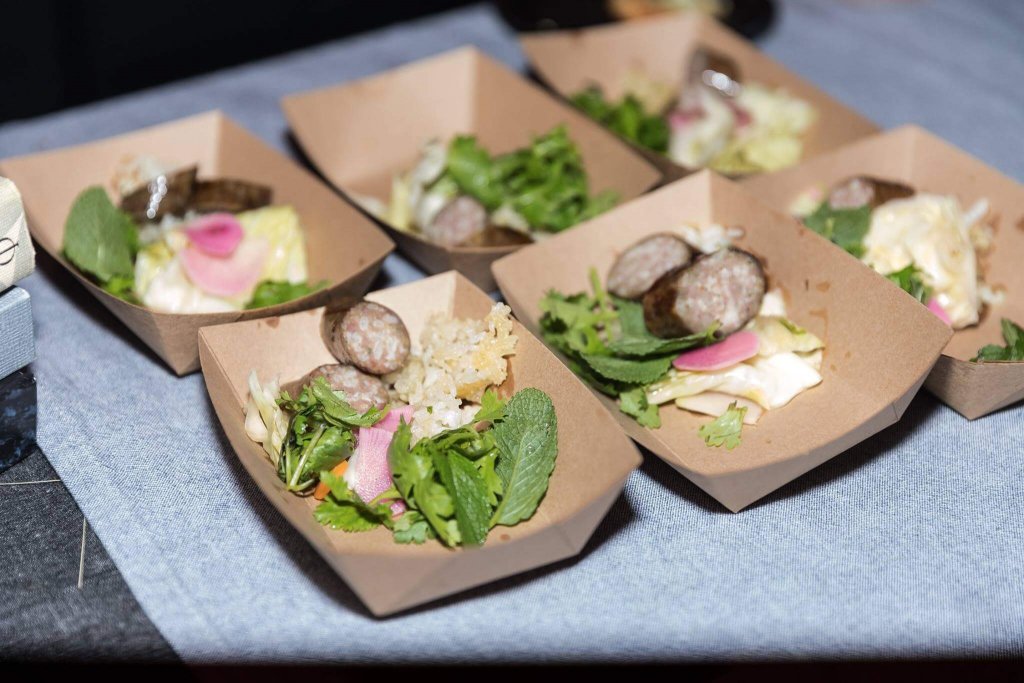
<point>58,53</point>
<point>749,18</point>
<point>17,417</point>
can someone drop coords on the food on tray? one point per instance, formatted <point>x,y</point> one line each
<point>686,318</point>
<point>410,437</point>
<point>460,195</point>
<point>925,243</point>
<point>177,243</point>
<point>714,121</point>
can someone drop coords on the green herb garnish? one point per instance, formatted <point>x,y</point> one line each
<point>1013,335</point>
<point>909,280</point>
<point>844,227</point>
<point>606,343</point>
<point>626,117</point>
<point>102,241</point>
<point>725,429</point>
<point>459,484</point>
<point>545,183</point>
<point>319,434</point>
<point>273,292</point>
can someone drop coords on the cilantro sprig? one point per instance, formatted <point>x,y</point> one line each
<point>725,429</point>
<point>844,227</point>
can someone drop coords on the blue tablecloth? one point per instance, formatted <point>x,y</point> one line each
<point>908,545</point>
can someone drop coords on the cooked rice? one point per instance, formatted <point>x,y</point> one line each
<point>455,362</point>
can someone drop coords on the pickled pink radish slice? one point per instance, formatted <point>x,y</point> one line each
<point>398,508</point>
<point>368,473</point>
<point>394,417</point>
<point>226,276</point>
<point>935,307</point>
<point>217,234</point>
<point>735,348</point>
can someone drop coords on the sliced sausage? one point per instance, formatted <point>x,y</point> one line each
<point>362,391</point>
<point>231,195</point>
<point>369,336</point>
<point>497,236</point>
<point>167,194</point>
<point>725,287</point>
<point>639,267</point>
<point>860,190</point>
<point>458,222</point>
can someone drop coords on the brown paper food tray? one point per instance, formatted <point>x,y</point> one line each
<point>880,343</point>
<point>343,246</point>
<point>661,46</point>
<point>594,457</point>
<point>361,134</point>
<point>916,157</point>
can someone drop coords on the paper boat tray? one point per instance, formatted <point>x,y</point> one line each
<point>661,47</point>
<point>361,134</point>
<point>925,162</point>
<point>880,343</point>
<point>343,246</point>
<point>594,457</point>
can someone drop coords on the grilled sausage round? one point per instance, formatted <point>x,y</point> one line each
<point>369,336</point>
<point>460,219</point>
<point>639,267</point>
<point>725,287</point>
<point>362,391</point>
<point>860,190</point>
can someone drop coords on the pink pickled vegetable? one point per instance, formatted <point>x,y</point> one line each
<point>394,417</point>
<point>735,348</point>
<point>225,276</point>
<point>681,118</point>
<point>217,234</point>
<point>368,473</point>
<point>935,307</point>
<point>398,508</point>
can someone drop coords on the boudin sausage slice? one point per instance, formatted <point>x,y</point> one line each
<point>638,268</point>
<point>726,287</point>
<point>362,391</point>
<point>457,223</point>
<point>865,190</point>
<point>369,336</point>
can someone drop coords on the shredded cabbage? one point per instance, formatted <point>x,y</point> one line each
<point>265,422</point>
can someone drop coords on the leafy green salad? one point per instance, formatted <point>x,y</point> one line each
<point>368,472</point>
<point>173,248</point>
<point>460,194</point>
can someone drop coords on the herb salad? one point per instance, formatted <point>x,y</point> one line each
<point>410,438</point>
<point>685,318</point>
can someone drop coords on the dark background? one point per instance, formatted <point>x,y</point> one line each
<point>59,53</point>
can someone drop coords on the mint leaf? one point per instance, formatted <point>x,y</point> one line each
<point>336,410</point>
<point>273,292</point>
<point>528,442</point>
<point>630,370</point>
<point>100,239</point>
<point>1013,335</point>
<point>725,429</point>
<point>634,403</point>
<point>844,227</point>
<point>469,496</point>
